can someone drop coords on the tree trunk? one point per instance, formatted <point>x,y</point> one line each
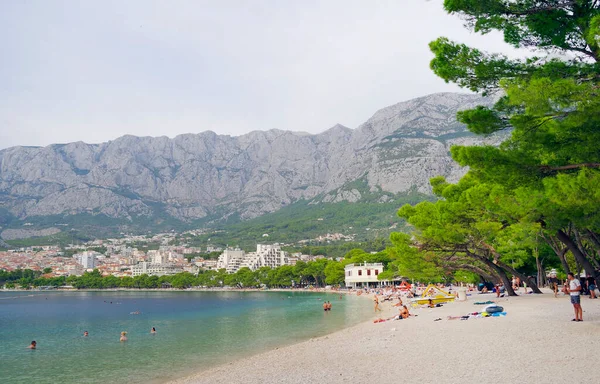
<point>596,246</point>
<point>499,271</point>
<point>558,250</point>
<point>581,259</point>
<point>584,251</point>
<point>594,238</point>
<point>483,275</point>
<point>541,276</point>
<point>530,282</point>
<point>563,260</point>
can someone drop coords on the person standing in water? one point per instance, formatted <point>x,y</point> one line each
<point>123,336</point>
<point>153,330</point>
<point>33,345</point>
<point>85,334</point>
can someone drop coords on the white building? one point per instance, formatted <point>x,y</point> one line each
<point>151,269</point>
<point>87,259</point>
<point>363,275</point>
<point>231,259</point>
<point>265,256</point>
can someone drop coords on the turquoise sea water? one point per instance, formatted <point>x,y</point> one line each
<point>195,330</point>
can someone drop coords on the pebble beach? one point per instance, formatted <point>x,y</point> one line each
<point>536,342</point>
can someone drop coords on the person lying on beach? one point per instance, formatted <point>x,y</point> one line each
<point>404,312</point>
<point>399,303</point>
<point>33,345</point>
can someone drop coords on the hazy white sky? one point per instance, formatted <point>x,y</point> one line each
<point>96,70</point>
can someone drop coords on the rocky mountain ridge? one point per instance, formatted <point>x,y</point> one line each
<point>195,176</point>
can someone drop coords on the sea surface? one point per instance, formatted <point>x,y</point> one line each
<point>194,331</point>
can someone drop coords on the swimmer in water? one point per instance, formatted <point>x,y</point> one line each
<point>153,330</point>
<point>123,336</point>
<point>85,334</point>
<point>33,345</point>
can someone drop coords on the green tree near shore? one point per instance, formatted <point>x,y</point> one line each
<point>543,179</point>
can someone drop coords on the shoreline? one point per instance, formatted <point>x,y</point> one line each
<point>214,289</point>
<point>536,341</point>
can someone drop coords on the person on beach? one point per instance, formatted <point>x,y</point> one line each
<point>553,282</point>
<point>574,291</point>
<point>153,330</point>
<point>376,301</point>
<point>85,334</point>
<point>329,306</point>
<point>325,306</point>
<point>592,287</point>
<point>33,345</point>
<point>123,336</point>
<point>404,314</point>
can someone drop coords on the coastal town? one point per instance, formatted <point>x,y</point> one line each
<point>125,257</point>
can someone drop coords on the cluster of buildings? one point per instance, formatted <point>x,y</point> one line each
<point>124,260</point>
<point>265,256</point>
<point>168,261</point>
<point>120,257</point>
<point>129,262</point>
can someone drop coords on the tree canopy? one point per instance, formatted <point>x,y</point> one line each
<point>539,188</point>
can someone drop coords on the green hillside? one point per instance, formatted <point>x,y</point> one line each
<point>304,220</point>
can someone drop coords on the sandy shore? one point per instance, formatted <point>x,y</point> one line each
<point>535,343</point>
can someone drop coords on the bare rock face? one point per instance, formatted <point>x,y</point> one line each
<point>195,175</point>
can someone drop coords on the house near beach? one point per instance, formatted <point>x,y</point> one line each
<point>364,275</point>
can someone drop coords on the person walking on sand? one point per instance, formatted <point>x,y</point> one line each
<point>376,301</point>
<point>574,290</point>
<point>591,286</point>
<point>553,281</point>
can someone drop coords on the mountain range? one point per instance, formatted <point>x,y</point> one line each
<point>210,177</point>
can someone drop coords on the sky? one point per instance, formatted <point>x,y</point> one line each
<point>97,70</point>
